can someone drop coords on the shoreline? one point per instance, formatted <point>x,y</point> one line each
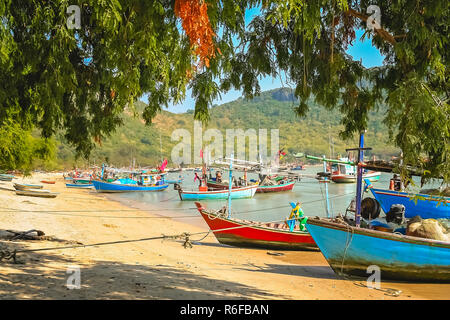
<point>157,269</point>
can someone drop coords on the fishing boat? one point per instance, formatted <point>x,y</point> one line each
<point>144,183</point>
<point>416,204</point>
<point>250,234</point>
<point>276,188</point>
<point>21,186</point>
<point>346,173</point>
<point>351,249</point>
<point>79,185</point>
<point>37,193</point>
<point>208,193</point>
<point>6,177</point>
<point>48,181</point>
<point>82,180</point>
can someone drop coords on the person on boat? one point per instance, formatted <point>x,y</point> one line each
<point>199,180</point>
<point>218,176</point>
<point>395,184</point>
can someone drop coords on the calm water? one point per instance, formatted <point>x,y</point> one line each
<point>265,206</point>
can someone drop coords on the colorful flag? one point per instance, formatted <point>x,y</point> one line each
<point>163,165</point>
<point>281,154</point>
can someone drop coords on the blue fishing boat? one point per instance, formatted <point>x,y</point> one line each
<point>143,183</point>
<point>207,194</point>
<point>416,204</point>
<point>350,251</point>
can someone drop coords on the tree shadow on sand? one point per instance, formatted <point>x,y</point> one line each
<point>43,275</point>
<point>321,272</point>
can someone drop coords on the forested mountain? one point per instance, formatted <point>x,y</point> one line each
<point>316,134</point>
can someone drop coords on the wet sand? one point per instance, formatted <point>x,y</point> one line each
<point>157,269</point>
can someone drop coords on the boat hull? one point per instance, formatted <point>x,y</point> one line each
<point>101,186</point>
<point>37,193</point>
<point>265,236</point>
<point>6,177</point>
<point>20,186</point>
<point>350,178</point>
<point>277,188</point>
<point>79,186</point>
<point>48,181</point>
<point>431,208</point>
<point>350,251</point>
<point>237,193</point>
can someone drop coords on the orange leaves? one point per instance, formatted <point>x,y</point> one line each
<point>195,22</point>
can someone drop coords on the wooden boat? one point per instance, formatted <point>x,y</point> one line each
<point>82,180</point>
<point>427,206</point>
<point>145,183</point>
<point>21,186</point>
<point>79,185</point>
<point>37,193</point>
<point>213,185</point>
<point>350,251</point>
<point>276,188</point>
<point>48,181</point>
<point>250,234</point>
<point>236,193</point>
<point>346,173</point>
<point>6,177</point>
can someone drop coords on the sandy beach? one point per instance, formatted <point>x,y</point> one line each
<point>156,269</point>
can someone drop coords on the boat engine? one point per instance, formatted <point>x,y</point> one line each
<point>176,186</point>
<point>396,214</point>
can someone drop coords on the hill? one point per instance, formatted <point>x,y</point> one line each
<point>271,110</point>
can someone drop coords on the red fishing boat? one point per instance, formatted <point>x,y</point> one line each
<point>261,189</point>
<point>276,188</point>
<point>251,234</point>
<point>48,181</point>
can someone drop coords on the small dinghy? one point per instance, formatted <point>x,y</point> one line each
<point>22,186</point>
<point>37,193</point>
<point>48,181</point>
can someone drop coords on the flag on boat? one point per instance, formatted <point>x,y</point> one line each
<point>281,154</point>
<point>163,165</point>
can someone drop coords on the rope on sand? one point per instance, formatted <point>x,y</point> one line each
<point>387,291</point>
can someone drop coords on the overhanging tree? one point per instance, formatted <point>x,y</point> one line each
<point>81,80</point>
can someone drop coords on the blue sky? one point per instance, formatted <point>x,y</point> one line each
<point>361,50</point>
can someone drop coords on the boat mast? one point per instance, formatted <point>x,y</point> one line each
<point>359,177</point>
<point>326,187</point>
<point>230,184</point>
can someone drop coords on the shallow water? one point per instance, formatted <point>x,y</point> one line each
<point>263,206</point>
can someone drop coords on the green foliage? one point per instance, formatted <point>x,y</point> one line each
<point>19,149</point>
<point>312,135</point>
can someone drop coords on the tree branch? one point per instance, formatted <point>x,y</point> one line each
<point>381,32</point>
